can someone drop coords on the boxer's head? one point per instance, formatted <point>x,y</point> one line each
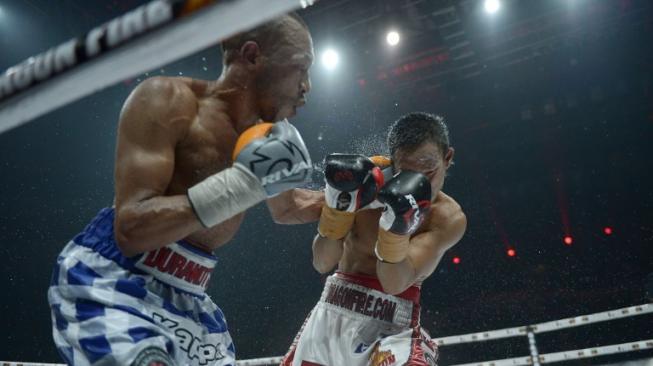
<point>273,60</point>
<point>420,142</point>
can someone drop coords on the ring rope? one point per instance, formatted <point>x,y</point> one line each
<point>515,361</point>
<point>145,38</point>
<point>569,355</point>
<point>505,333</point>
<point>260,361</point>
<point>547,326</point>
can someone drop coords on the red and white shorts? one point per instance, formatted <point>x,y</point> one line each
<point>355,323</point>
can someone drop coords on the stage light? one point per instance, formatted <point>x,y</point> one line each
<point>392,38</point>
<point>511,252</point>
<point>607,230</point>
<point>492,6</point>
<point>330,59</point>
<point>456,260</point>
<point>568,240</point>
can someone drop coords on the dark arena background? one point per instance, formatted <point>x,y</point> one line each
<point>550,110</point>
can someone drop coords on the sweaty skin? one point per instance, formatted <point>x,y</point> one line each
<point>442,228</point>
<point>175,132</point>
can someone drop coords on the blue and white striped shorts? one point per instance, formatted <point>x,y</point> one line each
<point>108,309</point>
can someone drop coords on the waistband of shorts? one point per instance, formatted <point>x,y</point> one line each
<point>344,293</point>
<point>179,264</point>
<point>412,293</point>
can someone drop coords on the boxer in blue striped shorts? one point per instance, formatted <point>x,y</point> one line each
<point>192,156</point>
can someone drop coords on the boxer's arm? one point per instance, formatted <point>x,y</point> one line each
<point>154,118</point>
<point>296,206</point>
<point>326,253</point>
<point>424,253</point>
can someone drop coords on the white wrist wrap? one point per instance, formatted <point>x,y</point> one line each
<point>225,194</point>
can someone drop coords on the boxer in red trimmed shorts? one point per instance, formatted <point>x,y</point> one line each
<point>386,224</point>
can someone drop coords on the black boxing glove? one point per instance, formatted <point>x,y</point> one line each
<point>352,182</point>
<point>407,200</point>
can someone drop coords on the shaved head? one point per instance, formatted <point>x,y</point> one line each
<point>271,62</point>
<point>270,36</point>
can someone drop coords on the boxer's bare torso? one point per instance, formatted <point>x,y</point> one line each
<point>358,254</point>
<point>205,139</point>
<point>174,133</point>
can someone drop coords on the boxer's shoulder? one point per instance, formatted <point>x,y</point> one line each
<point>162,102</point>
<point>164,86</point>
<point>447,215</point>
<point>175,96</point>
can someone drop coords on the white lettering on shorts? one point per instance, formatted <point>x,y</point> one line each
<point>193,347</point>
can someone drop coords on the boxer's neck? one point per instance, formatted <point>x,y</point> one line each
<point>235,89</point>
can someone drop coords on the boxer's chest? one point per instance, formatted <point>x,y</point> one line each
<point>358,256</point>
<point>365,230</point>
<point>359,245</point>
<point>205,150</point>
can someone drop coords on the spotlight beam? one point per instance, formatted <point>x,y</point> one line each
<point>330,59</point>
<point>392,38</point>
<point>492,6</point>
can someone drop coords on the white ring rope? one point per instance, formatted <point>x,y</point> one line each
<point>532,345</point>
<point>547,326</point>
<point>260,361</point>
<point>505,333</point>
<point>569,355</point>
<point>145,38</point>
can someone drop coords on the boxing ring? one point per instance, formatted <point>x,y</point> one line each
<point>163,31</point>
<point>528,331</point>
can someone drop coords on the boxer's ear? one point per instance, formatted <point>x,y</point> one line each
<point>448,159</point>
<point>250,51</point>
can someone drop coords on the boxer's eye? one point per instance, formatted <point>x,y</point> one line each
<point>430,173</point>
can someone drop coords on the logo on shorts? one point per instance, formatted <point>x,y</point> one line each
<point>360,302</point>
<point>381,358</point>
<point>430,351</point>
<point>169,264</point>
<point>152,356</point>
<point>193,346</point>
<point>362,347</point>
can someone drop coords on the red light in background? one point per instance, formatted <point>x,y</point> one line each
<point>511,252</point>
<point>568,240</point>
<point>607,230</point>
<point>456,260</point>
